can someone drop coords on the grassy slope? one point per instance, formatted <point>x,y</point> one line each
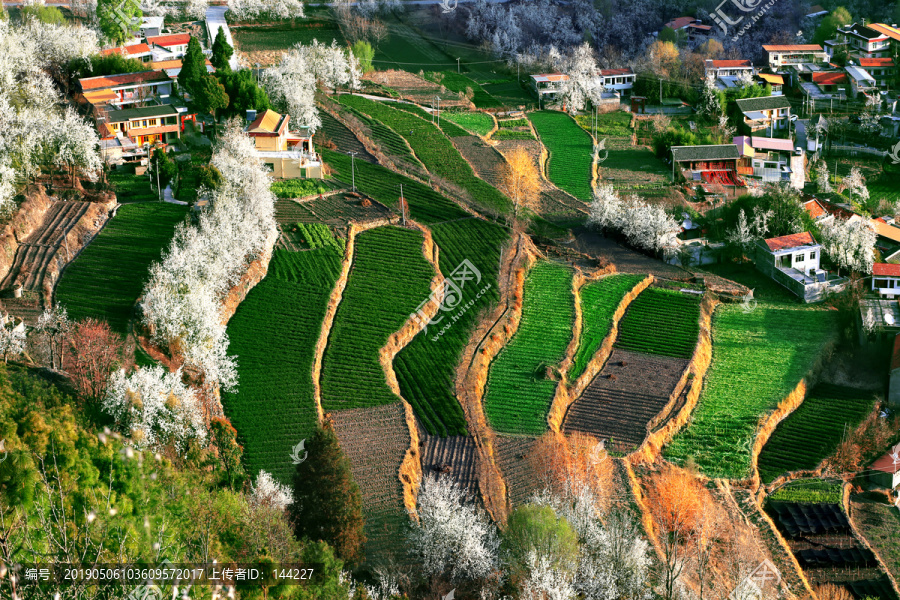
<point>599,300</point>
<point>273,334</point>
<point>518,393</point>
<point>388,280</point>
<point>570,147</point>
<point>107,277</point>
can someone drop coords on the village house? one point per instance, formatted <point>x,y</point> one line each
<point>289,154</point>
<point>772,79</point>
<point>147,124</point>
<point>817,211</point>
<point>139,52</point>
<point>151,26</point>
<point>714,163</point>
<point>881,70</point>
<point>886,280</point>
<point>831,82</point>
<point>728,68</point>
<point>173,67</point>
<point>891,32</point>
<point>547,85</point>
<point>771,160</point>
<point>127,89</point>
<point>794,54</point>
<point>617,80</point>
<point>864,42</point>
<point>169,47</point>
<point>771,113</point>
<point>794,262</point>
<point>860,81</point>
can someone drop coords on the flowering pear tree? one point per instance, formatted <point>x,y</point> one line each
<point>584,83</point>
<point>263,9</point>
<point>265,491</point>
<point>12,340</point>
<point>855,183</point>
<point>451,537</point>
<point>154,407</point>
<point>850,244</point>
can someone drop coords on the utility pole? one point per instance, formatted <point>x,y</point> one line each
<point>158,189</point>
<point>353,168</point>
<point>660,90</point>
<point>457,66</point>
<point>437,106</point>
<point>402,206</point>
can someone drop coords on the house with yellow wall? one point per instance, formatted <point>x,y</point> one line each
<point>289,154</point>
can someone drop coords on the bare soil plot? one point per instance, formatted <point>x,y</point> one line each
<point>453,457</point>
<point>375,441</point>
<point>626,260</point>
<point>618,404</point>
<point>512,458</point>
<point>33,256</point>
<point>416,89</point>
<point>485,160</point>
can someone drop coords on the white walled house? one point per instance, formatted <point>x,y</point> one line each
<point>886,280</point>
<point>794,261</point>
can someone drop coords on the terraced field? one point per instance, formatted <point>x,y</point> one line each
<point>619,403</point>
<point>661,321</point>
<point>478,123</point>
<point>599,301</point>
<point>109,274</point>
<point>386,141</point>
<point>570,148</point>
<point>375,440</point>
<point>519,388</point>
<point>387,282</point>
<point>433,148</point>
<point>274,407</point>
<point>512,458</point>
<point>343,138</point>
<point>758,358</point>
<point>453,457</point>
<point>813,431</point>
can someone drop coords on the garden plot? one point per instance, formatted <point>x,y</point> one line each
<point>486,161</point>
<point>813,431</point>
<point>264,43</point>
<point>389,279</point>
<point>570,149</point>
<point>879,523</point>
<point>599,301</point>
<point>375,440</point>
<point>512,458</point>
<point>758,358</point>
<point>338,133</point>
<point>521,384</point>
<point>109,274</point>
<point>385,140</point>
<point>478,123</point>
<point>454,457</point>
<point>624,397</point>
<point>661,321</point>
<point>273,334</point>
<point>415,89</point>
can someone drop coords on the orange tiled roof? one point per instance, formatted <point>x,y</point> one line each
<point>814,209</point>
<point>829,78</point>
<point>794,240</point>
<point>132,49</point>
<point>771,78</point>
<point>109,81</point>
<point>793,48</point>
<point>175,39</point>
<point>680,22</point>
<point>891,32</point>
<point>885,270</point>
<point>722,64</point>
<point>876,62</point>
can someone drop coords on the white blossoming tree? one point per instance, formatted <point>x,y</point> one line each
<point>645,226</point>
<point>262,9</point>
<point>265,491</point>
<point>12,340</point>
<point>583,85</point>
<point>154,407</point>
<point>855,184</point>
<point>850,244</point>
<point>822,175</point>
<point>450,537</point>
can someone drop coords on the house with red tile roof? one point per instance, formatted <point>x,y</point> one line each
<point>794,261</point>
<point>794,54</point>
<point>126,89</point>
<point>830,81</point>
<point>175,43</point>
<point>881,69</point>
<point>886,470</point>
<point>139,52</point>
<point>886,280</point>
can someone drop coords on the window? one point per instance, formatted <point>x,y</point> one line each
<point>799,257</point>
<point>812,256</point>
<point>881,283</point>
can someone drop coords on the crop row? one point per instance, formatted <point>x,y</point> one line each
<point>457,82</point>
<point>570,148</point>
<point>387,139</point>
<point>522,122</point>
<point>512,134</point>
<point>387,282</point>
<point>520,384</point>
<point>449,127</point>
<point>426,368</point>
<point>661,321</point>
<point>478,123</point>
<point>758,357</point>
<point>599,300</point>
<point>107,277</point>
<point>433,148</point>
<point>273,333</point>
<point>319,235</point>
<point>813,431</point>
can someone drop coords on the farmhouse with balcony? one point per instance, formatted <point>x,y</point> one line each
<point>547,85</point>
<point>127,89</point>
<point>770,160</point>
<point>864,42</point>
<point>881,69</point>
<point>617,80</point>
<point>715,163</point>
<point>289,154</point>
<point>169,47</point>
<point>794,54</point>
<point>124,133</point>
<point>769,112</point>
<point>860,81</point>
<point>886,280</point>
<point>794,262</point>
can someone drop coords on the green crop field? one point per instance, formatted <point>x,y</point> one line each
<point>132,188</point>
<point>519,392</point>
<point>477,122</point>
<point>387,139</point>
<point>813,431</point>
<point>758,357</point>
<point>613,124</point>
<point>284,35</point>
<point>273,333</point>
<point>433,148</point>
<point>457,82</point>
<point>511,134</point>
<point>318,235</point>
<point>449,127</point>
<point>599,300</point>
<point>506,123</point>
<point>388,280</point>
<point>109,274</point>
<point>570,147</point>
<point>809,491</point>
<point>661,321</point>
<point>426,368</point>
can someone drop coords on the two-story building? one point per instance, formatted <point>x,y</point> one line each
<point>289,154</point>
<point>139,52</point>
<point>881,69</point>
<point>711,163</point>
<point>771,160</point>
<point>728,68</point>
<point>547,85</point>
<point>151,26</point>
<point>861,82</point>
<point>169,47</point>
<point>886,280</point>
<point>794,261</point>
<point>147,124</point>
<point>892,32</point>
<point>127,90</point>
<point>771,113</point>
<point>617,80</point>
<point>864,42</point>
<point>781,55</point>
